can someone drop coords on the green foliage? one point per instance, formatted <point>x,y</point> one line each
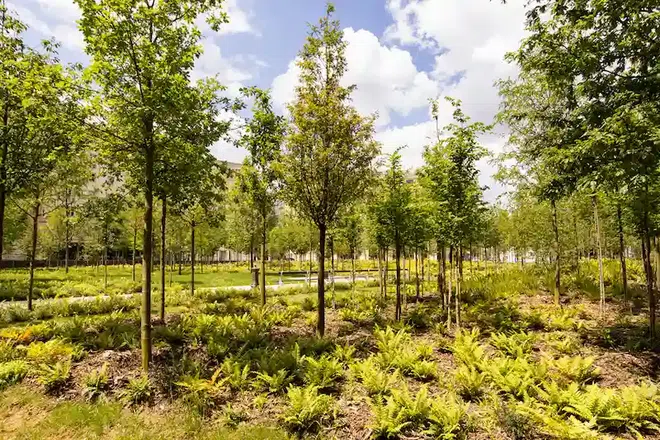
<point>514,345</point>
<point>12,372</point>
<point>235,374</point>
<point>307,410</point>
<point>376,381</point>
<point>578,369</point>
<point>466,347</point>
<point>52,351</point>
<point>54,377</point>
<point>469,382</point>
<point>276,382</point>
<point>402,413</point>
<point>96,383</point>
<point>137,391</point>
<point>323,373</point>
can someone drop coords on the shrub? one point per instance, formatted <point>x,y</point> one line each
<point>307,410</point>
<point>466,348</point>
<point>344,353</point>
<point>9,351</point>
<point>578,369</point>
<point>469,382</point>
<point>323,373</point>
<point>203,394</point>
<point>138,390</point>
<point>237,377</point>
<point>514,345</point>
<point>96,383</point>
<point>12,372</point>
<point>376,381</point>
<point>276,382</point>
<point>54,377</point>
<point>53,351</point>
<point>402,413</point>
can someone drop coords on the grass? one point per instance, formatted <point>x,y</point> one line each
<point>227,368</point>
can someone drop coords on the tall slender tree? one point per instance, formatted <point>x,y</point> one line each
<point>329,154</point>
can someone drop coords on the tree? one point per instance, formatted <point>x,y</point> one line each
<point>330,151</point>
<point>259,177</point>
<point>451,173</point>
<point>393,211</point>
<point>142,54</point>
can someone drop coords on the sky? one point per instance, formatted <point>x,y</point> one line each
<point>400,54</point>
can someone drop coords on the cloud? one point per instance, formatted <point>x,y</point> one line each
<point>62,13</point>
<point>387,79</point>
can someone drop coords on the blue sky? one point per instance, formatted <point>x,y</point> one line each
<point>400,53</point>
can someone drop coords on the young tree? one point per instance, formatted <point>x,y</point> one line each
<point>259,177</point>
<point>393,211</point>
<point>142,54</point>
<point>330,151</point>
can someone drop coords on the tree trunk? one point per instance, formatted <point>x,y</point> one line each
<point>262,275</point>
<point>147,254</point>
<point>320,325</point>
<point>67,239</point>
<point>622,255</point>
<point>105,257</point>
<point>353,272</point>
<point>417,274</point>
<point>163,256</point>
<point>397,256</point>
<point>134,246</point>
<point>192,258</point>
<point>387,263</point>
<point>33,252</point>
<point>3,173</point>
<point>423,279</point>
<point>459,280</point>
<point>440,251</point>
<point>555,229</point>
<point>380,272</point>
<point>646,257</point>
<point>332,271</point>
<point>450,289</point>
<point>601,281</point>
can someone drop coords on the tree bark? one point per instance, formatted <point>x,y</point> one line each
<point>555,229</point>
<point>423,279</point>
<point>440,255</point>
<point>134,246</point>
<point>320,325</point>
<point>417,274</point>
<point>646,257</point>
<point>147,254</point>
<point>601,281</point>
<point>67,239</point>
<point>163,256</point>
<point>33,251</point>
<point>459,280</point>
<point>105,257</point>
<point>3,172</point>
<point>450,289</point>
<point>397,256</point>
<point>332,271</point>
<point>262,275</point>
<point>387,263</point>
<point>622,254</point>
<point>192,258</point>
<point>380,272</point>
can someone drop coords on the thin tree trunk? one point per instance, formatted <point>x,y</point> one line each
<point>353,272</point>
<point>423,279</point>
<point>555,229</point>
<point>320,325</point>
<point>387,263</point>
<point>163,257</point>
<point>380,272</point>
<point>147,256</point>
<point>192,258</point>
<point>104,257</point>
<point>622,255</point>
<point>262,276</point>
<point>601,281</point>
<point>459,280</point>
<point>66,232</point>
<point>134,246</point>
<point>332,271</point>
<point>450,289</point>
<point>397,256</point>
<point>417,274</point>
<point>33,252</point>
<point>646,256</point>
<point>3,167</point>
<point>440,250</point>
<point>180,261</point>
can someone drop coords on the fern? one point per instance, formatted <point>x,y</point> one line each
<point>96,383</point>
<point>514,345</point>
<point>578,369</point>
<point>466,348</point>
<point>324,372</point>
<point>307,410</point>
<point>54,377</point>
<point>276,382</point>
<point>469,382</point>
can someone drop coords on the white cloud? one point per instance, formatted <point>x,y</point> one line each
<point>387,79</point>
<point>239,19</point>
<point>62,13</point>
